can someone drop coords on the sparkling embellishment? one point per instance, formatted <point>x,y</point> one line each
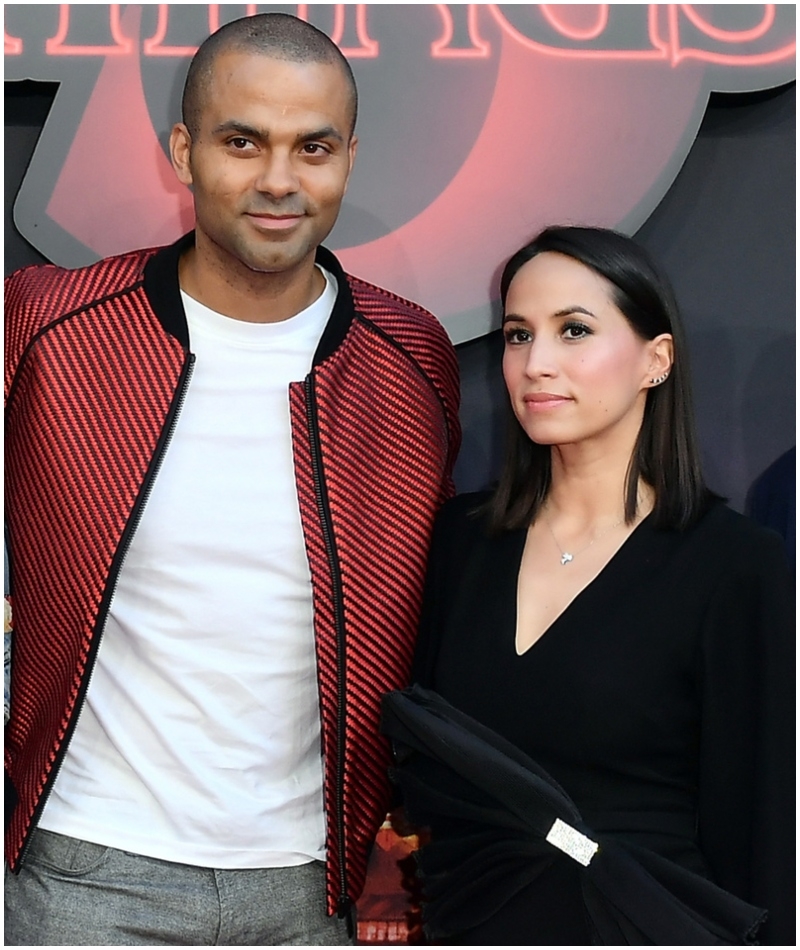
<point>566,557</point>
<point>572,842</point>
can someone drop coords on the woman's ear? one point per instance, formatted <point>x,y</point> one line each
<point>661,354</point>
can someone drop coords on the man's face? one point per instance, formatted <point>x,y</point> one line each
<point>269,163</point>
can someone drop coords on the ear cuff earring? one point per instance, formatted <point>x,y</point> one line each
<point>659,379</point>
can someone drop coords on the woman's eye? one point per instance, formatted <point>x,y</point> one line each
<point>517,335</point>
<point>576,331</point>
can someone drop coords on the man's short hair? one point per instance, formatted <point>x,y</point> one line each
<point>277,35</point>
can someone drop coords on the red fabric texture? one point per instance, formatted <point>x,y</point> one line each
<point>92,380</point>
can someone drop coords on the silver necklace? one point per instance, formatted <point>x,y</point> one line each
<point>566,557</point>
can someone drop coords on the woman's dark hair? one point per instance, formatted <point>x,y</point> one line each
<point>665,455</point>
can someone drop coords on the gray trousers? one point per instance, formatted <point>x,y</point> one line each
<point>74,893</point>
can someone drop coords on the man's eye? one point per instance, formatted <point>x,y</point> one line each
<point>239,142</point>
<point>314,148</point>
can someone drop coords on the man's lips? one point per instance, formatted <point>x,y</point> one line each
<point>274,222</point>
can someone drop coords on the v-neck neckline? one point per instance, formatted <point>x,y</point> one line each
<point>600,579</point>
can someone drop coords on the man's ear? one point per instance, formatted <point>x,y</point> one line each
<point>180,152</point>
<point>352,148</point>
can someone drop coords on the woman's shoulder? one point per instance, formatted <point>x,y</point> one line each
<point>461,528</point>
<point>463,515</point>
<point>464,505</point>
<point>733,539</point>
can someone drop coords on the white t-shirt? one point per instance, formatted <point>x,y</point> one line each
<point>199,741</point>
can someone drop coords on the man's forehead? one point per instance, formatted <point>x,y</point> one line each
<point>286,85</point>
<point>243,64</point>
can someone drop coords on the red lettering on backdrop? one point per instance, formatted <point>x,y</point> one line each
<point>554,16</point>
<point>669,31</point>
<point>345,30</point>
<point>155,46</point>
<point>12,45</point>
<point>537,28</point>
<point>173,19</point>
<point>674,32</point>
<point>56,46</point>
<point>250,9</point>
<point>350,33</point>
<point>467,43</point>
<point>683,18</point>
<point>730,36</point>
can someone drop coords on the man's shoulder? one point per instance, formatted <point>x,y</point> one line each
<point>54,291</point>
<point>388,309</point>
<point>409,328</point>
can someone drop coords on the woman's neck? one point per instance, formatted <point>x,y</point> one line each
<point>588,487</point>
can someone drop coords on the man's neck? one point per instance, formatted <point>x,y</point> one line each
<point>248,295</point>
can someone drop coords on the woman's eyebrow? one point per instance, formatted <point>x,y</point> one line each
<point>565,312</point>
<point>576,309</point>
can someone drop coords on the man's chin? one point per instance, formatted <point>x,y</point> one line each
<point>274,263</point>
<point>265,258</point>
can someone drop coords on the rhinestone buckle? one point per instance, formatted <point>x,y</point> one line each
<point>572,842</point>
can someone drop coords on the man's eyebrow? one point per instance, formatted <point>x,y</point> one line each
<point>326,132</point>
<point>233,125</point>
<point>565,312</point>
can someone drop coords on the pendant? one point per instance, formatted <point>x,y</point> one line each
<point>565,558</point>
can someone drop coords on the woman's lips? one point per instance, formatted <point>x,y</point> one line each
<point>538,402</point>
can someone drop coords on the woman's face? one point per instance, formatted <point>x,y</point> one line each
<point>574,368</point>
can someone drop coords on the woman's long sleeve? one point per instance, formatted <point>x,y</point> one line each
<point>747,753</point>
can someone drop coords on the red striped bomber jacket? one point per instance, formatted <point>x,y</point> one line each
<point>97,362</point>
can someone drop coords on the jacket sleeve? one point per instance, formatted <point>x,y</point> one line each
<point>13,332</point>
<point>26,310</point>
<point>746,817</point>
<point>447,384</point>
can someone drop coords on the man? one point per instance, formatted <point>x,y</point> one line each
<point>224,459</point>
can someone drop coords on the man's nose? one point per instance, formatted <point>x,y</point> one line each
<point>277,176</point>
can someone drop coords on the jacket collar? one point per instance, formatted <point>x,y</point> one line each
<point>163,292</point>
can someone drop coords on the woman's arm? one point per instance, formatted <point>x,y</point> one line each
<point>746,814</point>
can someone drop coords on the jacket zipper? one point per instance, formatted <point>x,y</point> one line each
<point>344,903</point>
<point>122,550</point>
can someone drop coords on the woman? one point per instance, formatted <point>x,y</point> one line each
<point>607,616</point>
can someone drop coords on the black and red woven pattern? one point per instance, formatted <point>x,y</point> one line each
<point>92,378</point>
<point>423,338</point>
<point>382,506</point>
<point>37,296</point>
<point>88,403</point>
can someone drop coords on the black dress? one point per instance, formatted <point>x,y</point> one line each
<point>661,700</point>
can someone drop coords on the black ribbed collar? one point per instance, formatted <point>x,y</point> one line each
<point>163,291</point>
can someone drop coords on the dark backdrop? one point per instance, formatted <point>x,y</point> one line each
<point>725,233</point>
